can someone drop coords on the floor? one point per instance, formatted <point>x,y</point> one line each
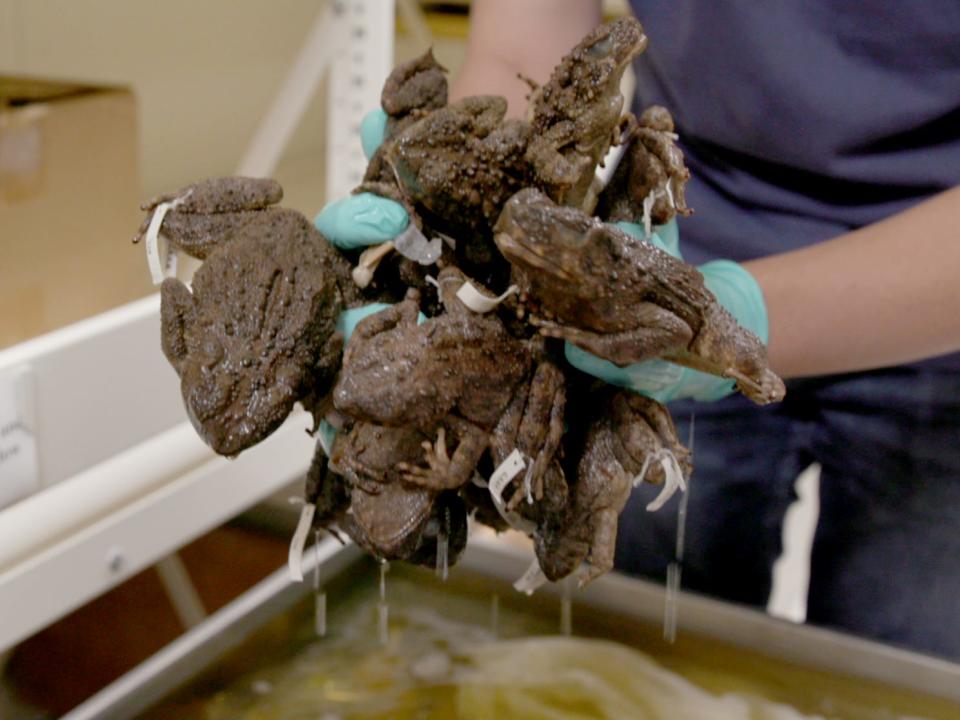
<point>72,659</point>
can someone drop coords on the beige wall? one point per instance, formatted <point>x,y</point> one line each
<point>204,72</point>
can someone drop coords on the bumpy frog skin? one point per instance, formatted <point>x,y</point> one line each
<point>576,115</point>
<point>629,430</point>
<point>427,409</point>
<point>212,212</point>
<point>366,454</point>
<point>397,372</point>
<point>533,424</point>
<point>386,518</point>
<point>411,91</point>
<point>257,332</point>
<point>461,163</point>
<point>459,367</point>
<point>650,180</point>
<point>622,299</point>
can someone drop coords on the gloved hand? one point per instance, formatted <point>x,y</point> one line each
<point>734,288</point>
<point>364,219</point>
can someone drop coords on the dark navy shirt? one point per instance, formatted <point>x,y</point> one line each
<point>803,119</point>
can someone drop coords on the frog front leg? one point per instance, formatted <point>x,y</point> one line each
<point>222,194</point>
<point>724,347</point>
<point>602,546</point>
<point>658,331</point>
<point>403,313</point>
<point>202,216</point>
<point>445,471</point>
<point>557,170</point>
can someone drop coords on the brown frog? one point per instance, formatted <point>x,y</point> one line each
<point>460,163</point>
<point>403,522</point>
<point>623,299</point>
<point>396,371</point>
<point>366,454</point>
<point>411,91</point>
<point>389,518</point>
<point>627,438</point>
<point>576,115</point>
<point>650,180</point>
<point>533,424</point>
<point>257,332</point>
<point>209,213</point>
<point>460,367</point>
<point>397,521</point>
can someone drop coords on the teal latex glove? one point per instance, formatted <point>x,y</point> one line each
<point>372,129</point>
<point>365,219</point>
<point>734,288</point>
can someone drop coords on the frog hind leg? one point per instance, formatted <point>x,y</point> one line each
<point>446,471</point>
<point>658,332</point>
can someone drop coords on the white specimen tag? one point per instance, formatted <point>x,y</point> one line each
<point>299,540</point>
<point>505,472</point>
<point>19,473</point>
<point>532,579</point>
<point>161,258</point>
<point>480,303</point>
<point>515,520</point>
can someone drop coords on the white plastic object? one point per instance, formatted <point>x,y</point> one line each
<point>369,259</point>
<point>532,579</point>
<point>161,259</point>
<point>299,541</point>
<point>480,303</point>
<point>413,244</point>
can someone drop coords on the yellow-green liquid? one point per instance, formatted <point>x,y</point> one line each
<point>443,660</point>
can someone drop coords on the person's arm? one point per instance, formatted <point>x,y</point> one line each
<point>519,36</point>
<point>885,294</point>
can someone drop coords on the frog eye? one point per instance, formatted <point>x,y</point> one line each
<point>602,48</point>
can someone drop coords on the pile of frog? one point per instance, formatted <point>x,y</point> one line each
<point>456,400</point>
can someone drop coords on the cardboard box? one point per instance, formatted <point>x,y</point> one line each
<point>69,197</point>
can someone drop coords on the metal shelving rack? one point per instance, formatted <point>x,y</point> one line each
<point>119,478</point>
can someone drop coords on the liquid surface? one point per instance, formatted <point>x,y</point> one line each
<point>454,652</point>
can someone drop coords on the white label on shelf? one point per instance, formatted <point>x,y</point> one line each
<point>19,473</point>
